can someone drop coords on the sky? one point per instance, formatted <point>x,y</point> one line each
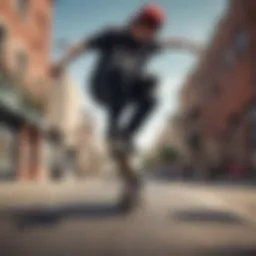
<point>192,19</point>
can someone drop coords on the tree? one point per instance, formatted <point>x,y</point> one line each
<point>168,154</point>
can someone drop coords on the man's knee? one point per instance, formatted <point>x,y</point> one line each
<point>151,101</point>
<point>148,103</point>
<point>145,88</point>
<point>149,81</point>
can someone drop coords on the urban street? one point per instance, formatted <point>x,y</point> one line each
<point>79,218</point>
<point>92,89</point>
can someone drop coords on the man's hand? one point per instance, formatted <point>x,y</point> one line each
<point>193,48</point>
<point>69,56</point>
<point>56,71</point>
<point>183,44</point>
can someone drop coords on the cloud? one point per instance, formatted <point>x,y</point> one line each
<point>168,98</point>
<point>170,84</point>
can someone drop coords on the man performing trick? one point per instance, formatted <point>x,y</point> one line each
<point>120,79</point>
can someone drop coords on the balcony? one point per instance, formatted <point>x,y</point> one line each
<point>15,99</point>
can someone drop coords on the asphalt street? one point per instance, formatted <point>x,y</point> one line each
<point>175,219</point>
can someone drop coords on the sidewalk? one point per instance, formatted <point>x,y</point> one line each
<point>240,199</point>
<point>98,190</point>
<point>50,194</point>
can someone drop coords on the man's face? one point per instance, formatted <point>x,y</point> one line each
<point>144,33</point>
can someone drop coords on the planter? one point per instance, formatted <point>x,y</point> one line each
<point>15,98</point>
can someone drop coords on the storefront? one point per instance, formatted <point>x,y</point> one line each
<point>10,123</point>
<point>20,125</point>
<point>48,154</point>
<point>8,150</point>
<point>251,115</point>
<point>53,153</point>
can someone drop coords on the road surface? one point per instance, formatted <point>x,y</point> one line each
<point>176,219</point>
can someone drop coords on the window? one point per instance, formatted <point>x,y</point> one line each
<point>194,114</point>
<point>41,21</point>
<point>22,7</point>
<point>209,88</point>
<point>229,58</point>
<point>41,24</point>
<point>21,64</point>
<point>2,43</point>
<point>7,151</point>
<point>242,40</point>
<point>216,90</point>
<point>233,120</point>
<point>37,44</point>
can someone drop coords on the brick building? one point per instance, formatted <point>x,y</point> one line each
<point>64,115</point>
<point>92,151</point>
<point>25,27</point>
<point>217,97</point>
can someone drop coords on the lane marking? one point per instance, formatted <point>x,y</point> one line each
<point>210,200</point>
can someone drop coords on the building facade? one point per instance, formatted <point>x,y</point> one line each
<point>64,115</point>
<point>25,28</point>
<point>91,148</point>
<point>218,94</point>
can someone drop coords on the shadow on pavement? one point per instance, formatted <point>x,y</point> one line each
<point>53,215</point>
<point>231,250</point>
<point>212,216</point>
<point>223,183</point>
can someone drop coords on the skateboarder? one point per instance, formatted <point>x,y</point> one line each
<point>120,79</point>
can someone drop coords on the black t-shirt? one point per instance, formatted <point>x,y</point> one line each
<point>119,50</point>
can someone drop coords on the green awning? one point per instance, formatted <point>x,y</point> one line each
<point>19,102</point>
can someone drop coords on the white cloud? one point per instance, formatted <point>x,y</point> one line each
<point>168,96</point>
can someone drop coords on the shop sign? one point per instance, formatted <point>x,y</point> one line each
<point>7,153</point>
<point>19,101</point>
<point>32,117</point>
<point>10,98</point>
<point>252,114</point>
<point>71,159</point>
<point>48,154</point>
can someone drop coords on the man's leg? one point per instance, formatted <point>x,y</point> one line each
<point>116,100</point>
<point>142,96</point>
<point>144,100</point>
<point>143,109</point>
<point>115,110</point>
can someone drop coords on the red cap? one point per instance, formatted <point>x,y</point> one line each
<point>151,14</point>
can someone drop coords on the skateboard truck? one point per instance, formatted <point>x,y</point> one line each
<point>130,198</point>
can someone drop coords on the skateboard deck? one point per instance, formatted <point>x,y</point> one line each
<point>128,171</point>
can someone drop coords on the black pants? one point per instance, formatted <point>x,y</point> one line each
<point>117,92</point>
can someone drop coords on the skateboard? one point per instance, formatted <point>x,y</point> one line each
<point>131,199</point>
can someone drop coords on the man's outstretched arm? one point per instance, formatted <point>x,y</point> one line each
<point>71,54</point>
<point>181,44</point>
<point>98,41</point>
